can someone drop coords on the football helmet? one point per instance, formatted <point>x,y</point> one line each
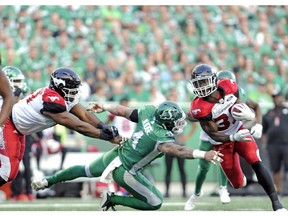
<point>203,80</point>
<point>226,74</point>
<point>171,116</point>
<point>15,76</point>
<point>67,83</point>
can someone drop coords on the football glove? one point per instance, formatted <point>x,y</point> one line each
<point>112,130</point>
<point>256,131</point>
<point>245,112</point>
<point>241,135</point>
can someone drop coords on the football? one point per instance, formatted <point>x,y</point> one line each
<point>235,108</point>
<point>240,111</point>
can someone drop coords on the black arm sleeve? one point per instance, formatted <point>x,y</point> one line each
<point>134,116</point>
<point>53,107</point>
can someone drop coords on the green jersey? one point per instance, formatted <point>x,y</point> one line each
<point>141,149</point>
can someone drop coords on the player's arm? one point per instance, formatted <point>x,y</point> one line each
<point>74,123</point>
<point>86,116</point>
<point>211,129</point>
<point>255,106</point>
<point>116,109</point>
<point>186,152</point>
<point>190,118</point>
<point>8,98</point>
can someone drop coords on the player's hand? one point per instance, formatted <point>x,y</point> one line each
<point>213,156</point>
<point>256,131</point>
<point>111,130</point>
<point>96,107</point>
<point>241,135</point>
<point>117,140</point>
<point>245,112</point>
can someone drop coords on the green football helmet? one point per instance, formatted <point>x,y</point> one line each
<point>226,74</point>
<point>171,116</point>
<point>15,77</point>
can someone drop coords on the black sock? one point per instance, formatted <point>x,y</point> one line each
<point>265,180</point>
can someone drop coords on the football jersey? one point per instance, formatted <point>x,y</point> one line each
<point>141,149</point>
<point>27,113</point>
<point>218,112</point>
<point>203,135</point>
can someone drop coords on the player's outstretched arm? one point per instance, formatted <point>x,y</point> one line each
<point>116,109</point>
<point>189,153</point>
<point>74,123</point>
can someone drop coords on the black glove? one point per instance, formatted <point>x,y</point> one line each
<point>109,133</point>
<point>112,130</point>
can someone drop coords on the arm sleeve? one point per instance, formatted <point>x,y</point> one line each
<point>134,116</point>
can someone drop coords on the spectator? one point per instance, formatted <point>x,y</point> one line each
<point>275,128</point>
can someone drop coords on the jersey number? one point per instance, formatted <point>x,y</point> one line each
<point>223,122</point>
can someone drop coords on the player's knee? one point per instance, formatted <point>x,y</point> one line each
<point>155,202</point>
<point>240,183</point>
<point>156,207</point>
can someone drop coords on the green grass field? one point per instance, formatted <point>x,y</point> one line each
<point>246,203</point>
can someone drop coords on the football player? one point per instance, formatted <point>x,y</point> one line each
<point>154,135</point>
<point>212,106</point>
<point>205,145</point>
<point>44,108</point>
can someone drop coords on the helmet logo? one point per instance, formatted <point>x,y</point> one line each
<point>168,114</point>
<point>57,82</point>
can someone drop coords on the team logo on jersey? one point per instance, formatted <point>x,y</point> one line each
<point>195,111</point>
<point>53,98</point>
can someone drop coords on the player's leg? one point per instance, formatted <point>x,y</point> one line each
<point>183,178</point>
<point>249,151</point>
<point>94,169</point>
<point>274,154</point>
<point>168,164</point>
<point>223,191</point>
<point>145,196</point>
<point>231,165</point>
<point>11,153</point>
<point>203,168</point>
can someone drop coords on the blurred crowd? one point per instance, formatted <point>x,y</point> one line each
<point>147,52</point>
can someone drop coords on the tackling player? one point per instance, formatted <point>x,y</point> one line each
<point>212,108</point>
<point>154,135</point>
<point>46,107</point>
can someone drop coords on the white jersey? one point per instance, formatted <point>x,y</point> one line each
<point>27,113</point>
<point>125,126</point>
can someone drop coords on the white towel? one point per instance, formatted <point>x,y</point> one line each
<point>106,176</point>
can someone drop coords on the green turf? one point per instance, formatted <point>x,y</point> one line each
<point>247,203</point>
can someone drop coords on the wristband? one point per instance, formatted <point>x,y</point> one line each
<point>100,125</point>
<point>231,137</point>
<point>198,153</point>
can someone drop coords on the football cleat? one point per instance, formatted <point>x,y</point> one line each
<point>106,203</point>
<point>191,202</point>
<point>39,184</point>
<point>224,195</point>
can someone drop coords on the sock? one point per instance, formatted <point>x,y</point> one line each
<point>67,174</point>
<point>265,180</point>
